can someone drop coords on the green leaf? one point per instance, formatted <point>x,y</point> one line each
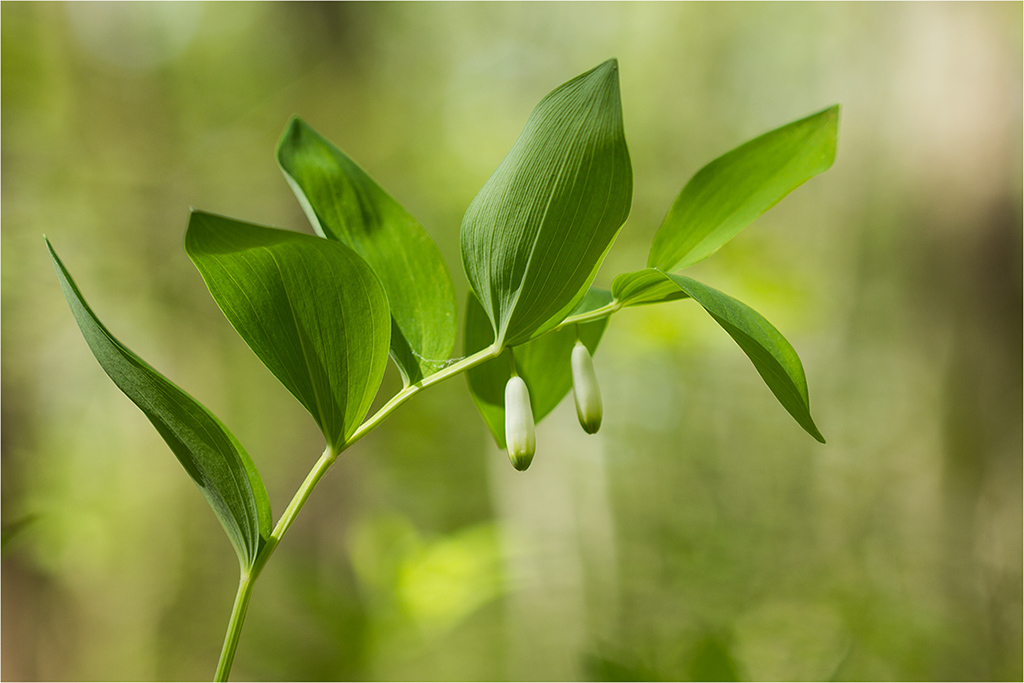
<point>729,193</point>
<point>773,357</point>
<point>647,286</point>
<point>310,309</point>
<point>343,203</point>
<point>535,235</point>
<point>544,363</point>
<point>214,459</point>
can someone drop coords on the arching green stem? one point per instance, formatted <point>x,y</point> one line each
<point>249,575</point>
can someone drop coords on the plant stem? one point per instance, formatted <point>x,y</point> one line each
<point>330,454</point>
<point>298,500</point>
<point>249,576</point>
<point>596,314</point>
<point>227,653</point>
<point>405,394</point>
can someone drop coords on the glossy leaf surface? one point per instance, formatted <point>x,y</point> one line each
<point>730,192</point>
<point>211,456</point>
<point>544,364</point>
<point>343,203</point>
<point>310,308</point>
<point>535,235</point>
<point>773,357</point>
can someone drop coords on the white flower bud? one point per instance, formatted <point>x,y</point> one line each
<point>585,389</point>
<point>520,431</point>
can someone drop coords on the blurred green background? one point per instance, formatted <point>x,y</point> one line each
<point>701,534</point>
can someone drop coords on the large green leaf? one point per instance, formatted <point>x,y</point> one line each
<point>535,235</point>
<point>345,204</point>
<point>729,193</point>
<point>544,363</point>
<point>310,308</point>
<point>214,459</point>
<point>773,357</point>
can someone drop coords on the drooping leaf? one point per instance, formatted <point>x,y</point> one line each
<point>729,193</point>
<point>543,363</point>
<point>535,235</point>
<point>310,308</point>
<point>345,204</point>
<point>773,357</point>
<point>214,459</point>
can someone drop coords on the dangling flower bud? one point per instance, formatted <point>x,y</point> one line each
<point>520,431</point>
<point>585,389</point>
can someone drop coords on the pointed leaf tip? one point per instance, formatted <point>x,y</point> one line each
<point>728,194</point>
<point>536,233</point>
<point>212,457</point>
<point>773,356</point>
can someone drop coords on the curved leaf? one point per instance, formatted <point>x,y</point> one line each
<point>343,203</point>
<point>535,235</point>
<point>647,286</point>
<point>773,357</point>
<point>310,309</point>
<point>214,459</point>
<point>543,363</point>
<point>729,193</point>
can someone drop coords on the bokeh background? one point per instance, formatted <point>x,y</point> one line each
<point>701,534</point>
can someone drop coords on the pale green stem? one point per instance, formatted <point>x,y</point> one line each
<point>596,314</point>
<point>410,391</point>
<point>327,459</point>
<point>227,653</point>
<point>330,454</point>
